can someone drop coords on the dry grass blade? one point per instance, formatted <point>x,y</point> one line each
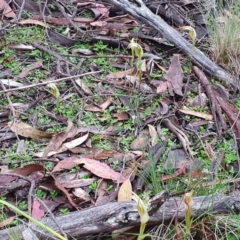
<point>224,35</point>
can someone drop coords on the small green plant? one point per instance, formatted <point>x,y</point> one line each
<point>75,169</point>
<point>99,142</point>
<point>49,166</point>
<point>230,153</point>
<point>93,186</point>
<point>237,102</point>
<point>109,186</point>
<point>41,193</point>
<point>136,29</point>
<point>115,164</point>
<point>53,193</point>
<point>64,211</point>
<point>125,142</point>
<point>8,59</point>
<point>99,46</point>
<point>148,111</point>
<point>23,205</point>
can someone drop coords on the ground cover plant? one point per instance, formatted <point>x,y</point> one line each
<point>109,131</point>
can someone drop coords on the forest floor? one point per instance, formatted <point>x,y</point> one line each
<point>96,105</point>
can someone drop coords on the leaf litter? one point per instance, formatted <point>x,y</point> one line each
<point>121,131</point>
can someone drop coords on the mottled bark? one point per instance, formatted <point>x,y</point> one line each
<point>112,216</point>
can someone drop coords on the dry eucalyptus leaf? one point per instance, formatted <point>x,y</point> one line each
<point>197,114</point>
<point>64,147</point>
<point>34,22</point>
<point>80,193</point>
<point>25,130</point>
<point>153,134</point>
<point>107,103</point>
<point>120,74</point>
<point>174,76</point>
<point>6,10</point>
<point>101,169</point>
<point>125,192</point>
<point>83,86</point>
<point>11,83</point>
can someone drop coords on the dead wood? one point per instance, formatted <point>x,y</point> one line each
<point>232,114</point>
<point>138,9</point>
<point>117,215</point>
<point>215,108</point>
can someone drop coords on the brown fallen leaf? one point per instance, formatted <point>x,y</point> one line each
<point>103,154</point>
<point>7,11</point>
<point>25,71</point>
<point>21,46</point>
<point>121,116</point>
<point>26,170</point>
<point>34,22</point>
<point>120,74</point>
<point>162,87</point>
<point>97,168</point>
<point>153,134</point>
<point>66,146</point>
<point>93,108</point>
<point>179,172</point>
<point>102,188</point>
<point>197,114</point>
<point>25,130</point>
<point>174,76</point>
<point>98,24</point>
<point>67,163</point>
<point>58,21</point>
<point>197,173</point>
<point>37,212</point>
<point>101,169</point>
<point>141,141</point>
<point>62,189</point>
<point>97,8</point>
<point>81,194</point>
<point>59,138</point>
<point>7,221</point>
<point>125,192</point>
<point>11,83</point>
<point>99,108</point>
<point>83,86</point>
<point>107,103</point>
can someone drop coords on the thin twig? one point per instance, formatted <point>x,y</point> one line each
<point>45,83</point>
<point>95,56</point>
<point>51,52</point>
<point>62,10</point>
<point>32,184</point>
<point>9,100</point>
<point>21,9</point>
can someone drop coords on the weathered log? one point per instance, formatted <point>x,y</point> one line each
<point>117,215</point>
<point>138,9</point>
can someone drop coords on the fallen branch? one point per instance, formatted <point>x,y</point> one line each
<point>215,108</point>
<point>138,9</point>
<point>47,82</point>
<point>117,215</point>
